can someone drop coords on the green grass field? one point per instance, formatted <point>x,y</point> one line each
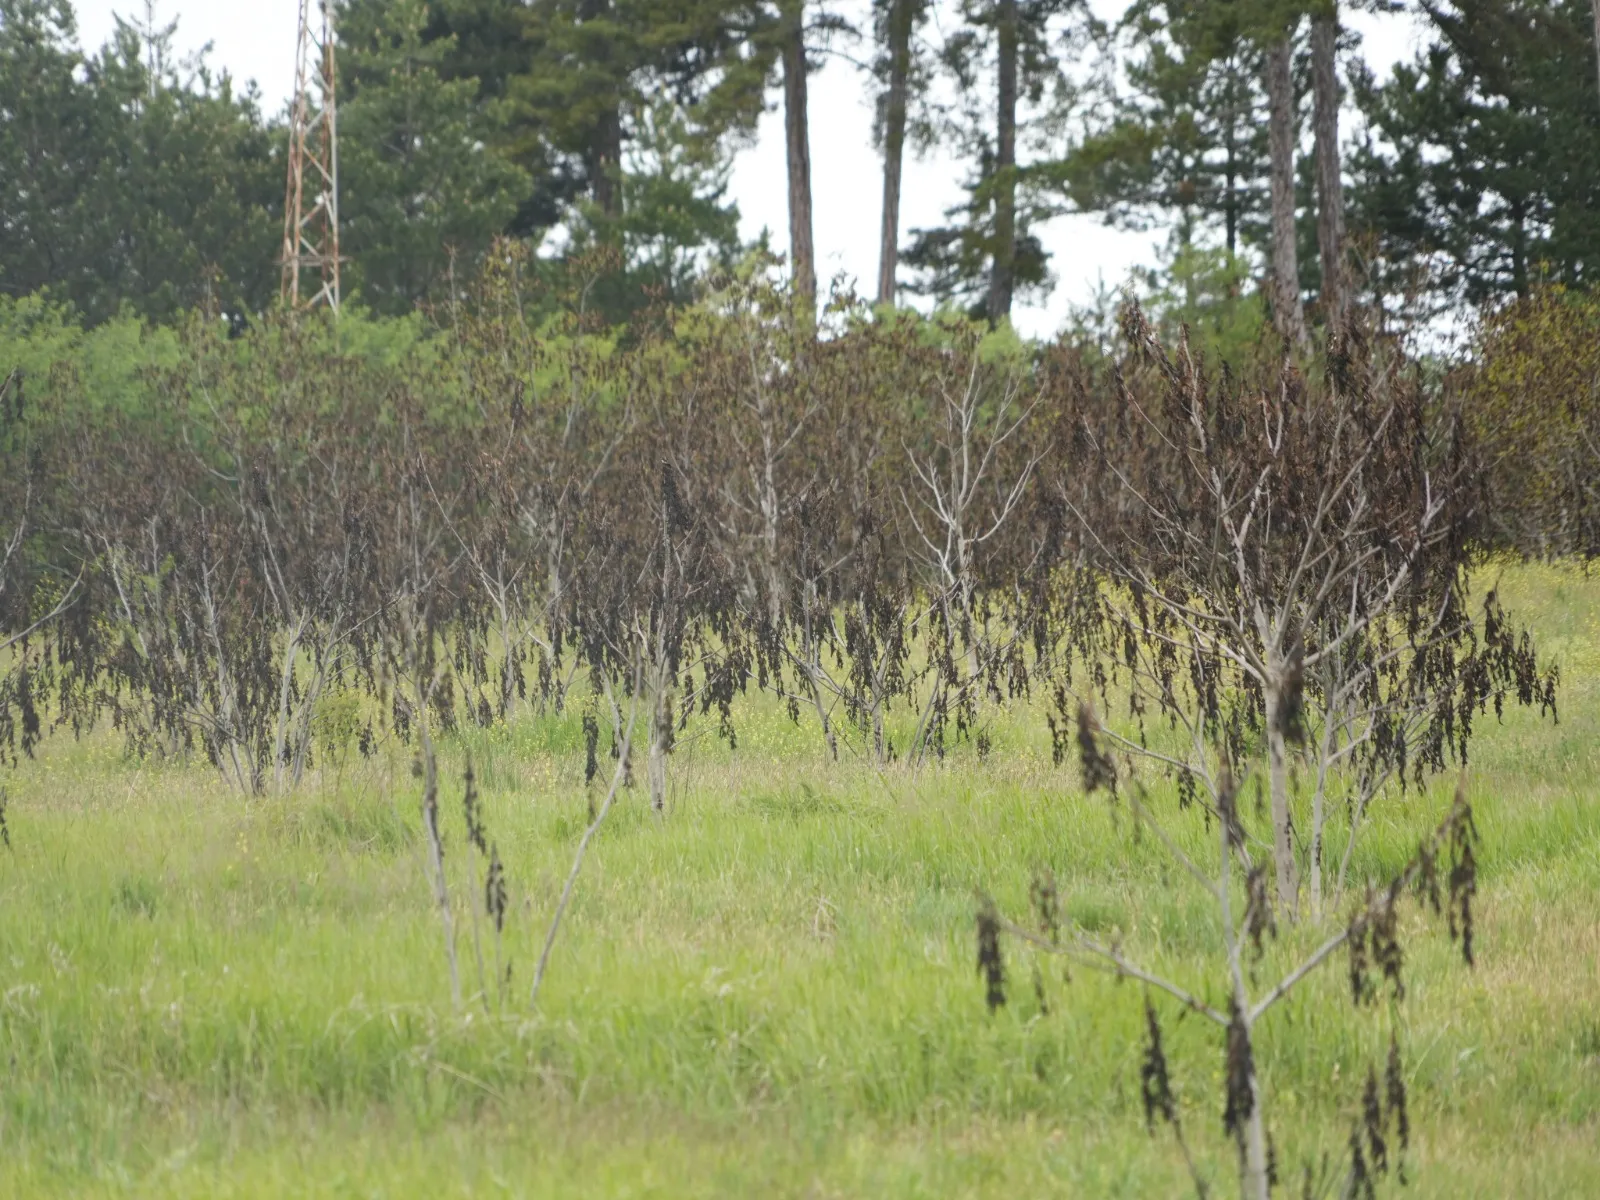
<point>770,992</point>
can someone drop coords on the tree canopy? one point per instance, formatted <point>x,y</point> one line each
<point>601,133</point>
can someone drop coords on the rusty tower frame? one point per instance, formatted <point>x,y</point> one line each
<point>310,257</point>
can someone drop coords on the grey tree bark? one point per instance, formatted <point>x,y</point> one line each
<point>1002,281</point>
<point>1285,874</point>
<point>802,248</point>
<point>1288,314</point>
<point>901,16</point>
<point>1330,188</point>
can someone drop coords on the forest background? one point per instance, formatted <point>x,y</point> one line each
<point>138,178</point>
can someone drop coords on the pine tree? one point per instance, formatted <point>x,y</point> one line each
<point>1183,139</point>
<point>1011,51</point>
<point>423,193</point>
<point>48,139</point>
<point>1479,172</point>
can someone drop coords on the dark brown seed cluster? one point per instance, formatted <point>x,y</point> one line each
<point>1155,1083</point>
<point>494,891</point>
<point>1099,769</point>
<point>1384,1115</point>
<point>990,963</point>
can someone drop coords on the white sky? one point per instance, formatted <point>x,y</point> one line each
<point>255,41</point>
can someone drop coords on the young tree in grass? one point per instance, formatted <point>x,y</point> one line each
<point>651,584</point>
<point>970,461</point>
<point>1288,565</point>
<point>1271,567</point>
<point>417,577</point>
<point>1235,883</point>
<point>298,484</point>
<point>552,409</point>
<point>34,592</point>
<point>1528,389</point>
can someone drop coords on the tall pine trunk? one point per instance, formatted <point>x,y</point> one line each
<point>1286,309</point>
<point>802,251</point>
<point>894,144</point>
<point>1330,188</point>
<point>605,151</point>
<point>1003,281</point>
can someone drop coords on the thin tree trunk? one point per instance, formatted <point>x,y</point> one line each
<point>901,17</point>
<point>660,673</point>
<point>1255,1179</point>
<point>430,824</point>
<point>619,778</point>
<point>1330,189</point>
<point>1002,282</point>
<point>1278,781</point>
<point>1254,1182</point>
<point>655,768</point>
<point>1319,816</point>
<point>1519,251</point>
<point>1286,309</point>
<point>802,251</point>
<point>281,733</point>
<point>1230,139</point>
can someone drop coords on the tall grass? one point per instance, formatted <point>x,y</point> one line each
<point>772,990</point>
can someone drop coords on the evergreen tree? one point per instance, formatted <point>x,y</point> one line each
<point>601,87</point>
<point>675,223</point>
<point>1005,61</point>
<point>423,191</point>
<point>51,127</point>
<point>763,40</point>
<point>129,178</point>
<point>1479,171</point>
<point>593,65</point>
<point>483,40</point>
<point>791,39</point>
<point>1276,31</point>
<point>1183,139</point>
<point>1328,159</point>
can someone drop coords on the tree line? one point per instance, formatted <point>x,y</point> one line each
<point>604,130</point>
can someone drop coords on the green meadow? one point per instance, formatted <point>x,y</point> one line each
<point>770,991</point>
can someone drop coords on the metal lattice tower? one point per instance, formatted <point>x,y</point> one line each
<point>311,198</point>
